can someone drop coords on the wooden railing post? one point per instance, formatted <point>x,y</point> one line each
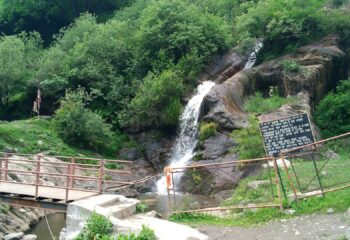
<point>37,175</point>
<point>1,160</point>
<point>68,181</point>
<point>72,172</point>
<point>101,172</point>
<point>6,166</point>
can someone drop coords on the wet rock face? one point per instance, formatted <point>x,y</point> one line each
<point>16,220</point>
<point>215,147</point>
<point>323,64</point>
<point>154,149</point>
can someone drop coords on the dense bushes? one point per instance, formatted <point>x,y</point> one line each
<point>259,104</point>
<point>249,142</point>
<point>100,228</point>
<point>333,113</point>
<point>157,103</point>
<point>18,61</point>
<point>207,130</point>
<point>96,227</point>
<point>80,127</point>
<point>284,25</point>
<point>47,16</point>
<point>167,42</point>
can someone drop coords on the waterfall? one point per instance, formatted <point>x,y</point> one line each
<point>186,141</point>
<point>252,57</point>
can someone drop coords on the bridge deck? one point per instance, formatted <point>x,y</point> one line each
<point>43,192</point>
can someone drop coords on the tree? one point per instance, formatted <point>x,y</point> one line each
<point>19,56</point>
<point>48,16</point>
<point>333,113</point>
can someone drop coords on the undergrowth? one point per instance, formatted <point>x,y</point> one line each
<point>258,104</point>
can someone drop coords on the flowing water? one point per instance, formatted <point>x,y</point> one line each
<point>56,221</point>
<point>186,141</point>
<point>253,55</point>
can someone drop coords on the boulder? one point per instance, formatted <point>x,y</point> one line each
<point>14,236</point>
<point>156,148</point>
<point>215,146</point>
<point>30,237</point>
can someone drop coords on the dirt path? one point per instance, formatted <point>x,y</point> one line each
<point>325,227</point>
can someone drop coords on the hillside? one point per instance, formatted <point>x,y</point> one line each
<point>178,82</point>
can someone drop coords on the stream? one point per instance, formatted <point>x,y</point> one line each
<point>56,221</point>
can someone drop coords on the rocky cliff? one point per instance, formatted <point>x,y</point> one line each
<point>321,66</point>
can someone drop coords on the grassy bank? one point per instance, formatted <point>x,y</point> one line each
<point>34,136</point>
<point>333,174</point>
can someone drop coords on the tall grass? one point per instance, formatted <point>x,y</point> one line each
<point>258,104</point>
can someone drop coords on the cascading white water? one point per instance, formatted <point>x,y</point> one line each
<point>186,141</point>
<point>252,57</point>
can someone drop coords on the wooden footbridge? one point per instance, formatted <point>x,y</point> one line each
<point>54,181</point>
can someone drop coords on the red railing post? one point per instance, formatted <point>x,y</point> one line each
<point>68,181</point>
<point>1,168</point>
<point>101,172</point>
<point>6,166</point>
<point>72,172</point>
<point>37,175</point>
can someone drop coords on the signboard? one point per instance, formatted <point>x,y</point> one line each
<point>286,133</point>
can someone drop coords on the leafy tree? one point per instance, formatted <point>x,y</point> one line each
<point>157,103</point>
<point>79,126</point>
<point>333,113</point>
<point>286,24</point>
<point>249,142</point>
<point>19,56</point>
<point>48,16</point>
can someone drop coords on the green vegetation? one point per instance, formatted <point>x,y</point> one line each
<point>141,208</point>
<point>97,227</point>
<point>100,228</point>
<point>26,135</point>
<point>249,140</point>
<point>207,130</point>
<point>285,25</point>
<point>4,208</point>
<point>334,173</point>
<point>82,128</point>
<point>333,112</point>
<point>291,66</point>
<point>258,104</point>
<point>47,16</point>
<point>139,58</point>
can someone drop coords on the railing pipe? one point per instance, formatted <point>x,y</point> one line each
<point>37,175</point>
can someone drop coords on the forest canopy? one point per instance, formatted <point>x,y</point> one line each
<point>138,59</point>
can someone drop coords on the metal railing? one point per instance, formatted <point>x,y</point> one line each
<point>65,174</point>
<point>318,168</point>
<point>267,168</point>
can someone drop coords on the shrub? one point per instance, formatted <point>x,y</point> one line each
<point>207,130</point>
<point>79,126</point>
<point>258,104</point>
<point>157,102</point>
<point>141,208</point>
<point>97,227</point>
<point>291,66</point>
<point>249,140</point>
<point>145,234</point>
<point>332,114</point>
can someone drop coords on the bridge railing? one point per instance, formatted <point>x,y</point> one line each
<point>68,174</point>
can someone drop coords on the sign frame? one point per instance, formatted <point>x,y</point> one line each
<point>288,117</point>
